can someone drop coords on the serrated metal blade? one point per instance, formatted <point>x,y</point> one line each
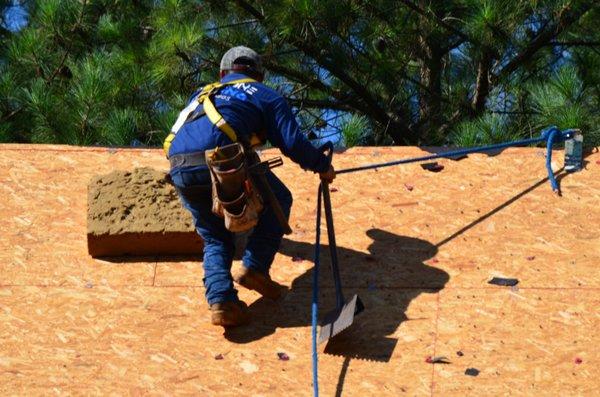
<point>339,319</point>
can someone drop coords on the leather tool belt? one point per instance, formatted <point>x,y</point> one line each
<point>234,197</point>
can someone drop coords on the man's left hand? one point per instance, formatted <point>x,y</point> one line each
<point>329,175</point>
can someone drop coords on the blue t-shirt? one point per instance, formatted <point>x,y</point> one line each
<point>249,108</point>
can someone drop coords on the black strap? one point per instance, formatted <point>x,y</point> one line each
<point>195,115</point>
<point>187,160</point>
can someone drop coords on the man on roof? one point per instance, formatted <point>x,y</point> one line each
<point>220,124</point>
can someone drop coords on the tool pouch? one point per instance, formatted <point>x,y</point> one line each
<point>234,197</point>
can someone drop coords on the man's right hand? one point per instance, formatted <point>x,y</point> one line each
<point>328,175</point>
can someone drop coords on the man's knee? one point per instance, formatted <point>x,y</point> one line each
<point>217,246</point>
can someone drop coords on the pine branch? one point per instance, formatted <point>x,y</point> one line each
<point>566,17</point>
<point>12,114</point>
<point>57,70</point>
<point>482,88</point>
<point>232,25</point>
<point>67,51</point>
<point>60,65</point>
<point>250,9</point>
<point>320,104</point>
<point>436,19</point>
<point>39,69</point>
<point>453,45</point>
<point>370,104</point>
<point>300,77</point>
<point>456,116</point>
<point>365,103</point>
<point>185,57</point>
<point>575,43</point>
<point>514,112</point>
<point>327,136</point>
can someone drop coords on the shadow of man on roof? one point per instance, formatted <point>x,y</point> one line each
<point>387,278</point>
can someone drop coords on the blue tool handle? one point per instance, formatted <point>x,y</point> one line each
<point>339,297</point>
<point>315,302</point>
<point>335,270</point>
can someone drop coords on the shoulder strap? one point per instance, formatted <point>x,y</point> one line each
<point>209,108</point>
<point>213,114</point>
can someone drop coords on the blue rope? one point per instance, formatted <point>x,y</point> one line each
<point>550,134</point>
<point>315,299</point>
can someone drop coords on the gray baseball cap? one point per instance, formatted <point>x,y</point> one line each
<point>242,56</point>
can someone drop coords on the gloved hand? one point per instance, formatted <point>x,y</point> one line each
<point>328,175</point>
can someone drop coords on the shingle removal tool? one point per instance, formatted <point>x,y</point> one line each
<point>342,316</point>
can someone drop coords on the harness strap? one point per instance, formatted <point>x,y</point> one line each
<point>217,119</point>
<point>211,111</point>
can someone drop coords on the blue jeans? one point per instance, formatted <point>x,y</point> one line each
<point>262,244</point>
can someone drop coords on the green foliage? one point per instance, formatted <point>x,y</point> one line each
<point>79,75</point>
<point>560,100</point>
<point>109,30</point>
<point>462,72</point>
<point>121,127</point>
<point>5,135</point>
<point>45,122</point>
<point>563,101</point>
<point>355,131</point>
<point>557,100</point>
<point>489,129</point>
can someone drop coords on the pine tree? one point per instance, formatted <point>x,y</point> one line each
<point>377,72</point>
<point>79,74</point>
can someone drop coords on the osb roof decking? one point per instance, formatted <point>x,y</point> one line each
<point>420,260</point>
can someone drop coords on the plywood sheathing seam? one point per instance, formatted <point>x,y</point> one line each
<point>420,259</point>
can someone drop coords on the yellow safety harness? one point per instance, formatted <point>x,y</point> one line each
<point>204,99</point>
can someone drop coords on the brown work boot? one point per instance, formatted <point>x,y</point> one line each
<point>259,282</point>
<point>229,314</point>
